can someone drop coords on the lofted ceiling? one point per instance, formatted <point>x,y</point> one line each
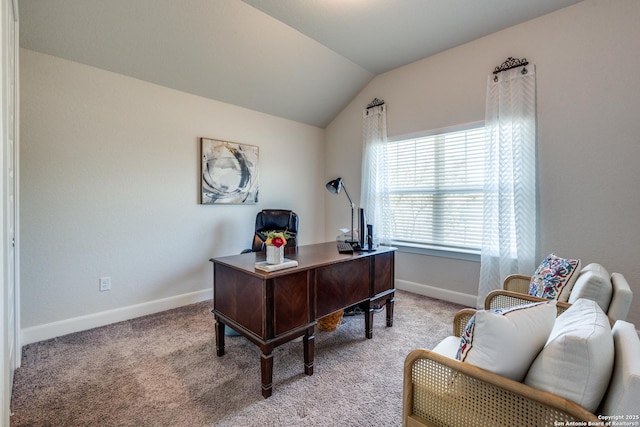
<point>302,60</point>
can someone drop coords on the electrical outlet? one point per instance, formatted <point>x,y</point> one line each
<point>105,284</point>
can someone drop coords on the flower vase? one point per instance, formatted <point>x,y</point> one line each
<point>275,255</point>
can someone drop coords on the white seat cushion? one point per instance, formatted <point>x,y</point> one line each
<point>594,283</point>
<point>505,341</point>
<point>577,360</point>
<point>624,388</point>
<point>448,347</point>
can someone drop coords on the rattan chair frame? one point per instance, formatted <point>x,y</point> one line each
<point>504,299</point>
<point>519,284</point>
<point>461,319</point>
<point>440,391</point>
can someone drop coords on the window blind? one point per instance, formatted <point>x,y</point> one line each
<point>436,189</point>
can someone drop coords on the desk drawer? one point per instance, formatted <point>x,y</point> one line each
<point>340,285</point>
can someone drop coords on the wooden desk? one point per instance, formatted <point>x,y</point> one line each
<point>271,309</point>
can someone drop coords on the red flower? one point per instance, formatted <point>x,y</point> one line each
<point>278,241</point>
<point>276,238</point>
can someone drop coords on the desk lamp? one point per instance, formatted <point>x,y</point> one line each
<point>334,187</point>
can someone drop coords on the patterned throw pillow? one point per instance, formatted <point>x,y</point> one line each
<point>505,341</point>
<point>466,340</point>
<point>554,278</point>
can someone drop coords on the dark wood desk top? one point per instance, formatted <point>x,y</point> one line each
<point>308,256</point>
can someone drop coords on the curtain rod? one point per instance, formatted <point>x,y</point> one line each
<point>375,103</point>
<point>509,64</point>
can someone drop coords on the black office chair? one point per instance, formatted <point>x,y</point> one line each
<point>270,220</point>
<point>274,220</point>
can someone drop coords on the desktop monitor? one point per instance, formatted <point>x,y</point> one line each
<point>365,233</point>
<point>362,228</point>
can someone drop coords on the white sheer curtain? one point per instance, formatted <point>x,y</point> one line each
<point>509,225</point>
<point>374,189</point>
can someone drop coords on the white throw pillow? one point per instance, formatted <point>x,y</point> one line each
<point>505,341</point>
<point>577,360</point>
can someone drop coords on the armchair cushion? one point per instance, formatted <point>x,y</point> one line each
<point>624,388</point>
<point>448,347</point>
<point>505,341</point>
<point>620,299</point>
<point>554,278</point>
<point>594,283</point>
<point>577,360</point>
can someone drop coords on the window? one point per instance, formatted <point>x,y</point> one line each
<point>436,190</point>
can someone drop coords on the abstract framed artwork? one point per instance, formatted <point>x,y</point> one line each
<point>229,172</point>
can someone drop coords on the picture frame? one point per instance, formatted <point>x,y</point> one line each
<point>229,172</point>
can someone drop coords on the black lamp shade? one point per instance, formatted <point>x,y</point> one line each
<point>335,185</point>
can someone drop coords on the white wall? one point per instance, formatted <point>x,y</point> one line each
<point>110,185</point>
<point>588,89</point>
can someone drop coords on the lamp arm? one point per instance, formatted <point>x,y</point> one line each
<point>352,207</point>
<point>348,197</point>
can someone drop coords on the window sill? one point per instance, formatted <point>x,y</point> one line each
<point>465,255</point>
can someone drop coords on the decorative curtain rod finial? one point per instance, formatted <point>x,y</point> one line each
<point>375,103</point>
<point>509,64</point>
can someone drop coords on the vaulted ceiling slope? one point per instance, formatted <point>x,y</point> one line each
<point>297,59</point>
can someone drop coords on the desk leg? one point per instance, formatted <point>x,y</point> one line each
<point>368,319</point>
<point>219,337</point>
<point>389,310</point>
<point>309,351</point>
<point>266,369</point>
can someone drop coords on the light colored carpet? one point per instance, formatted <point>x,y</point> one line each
<point>162,370</point>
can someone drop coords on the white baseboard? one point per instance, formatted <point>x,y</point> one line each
<point>90,321</point>
<point>83,323</point>
<point>439,293</point>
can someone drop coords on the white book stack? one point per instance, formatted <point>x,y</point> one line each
<point>287,263</point>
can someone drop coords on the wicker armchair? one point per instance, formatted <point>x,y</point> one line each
<point>440,391</point>
<point>516,288</point>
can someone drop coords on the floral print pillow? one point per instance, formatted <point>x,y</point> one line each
<point>554,278</point>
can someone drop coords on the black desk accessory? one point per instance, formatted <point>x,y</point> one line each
<point>345,248</point>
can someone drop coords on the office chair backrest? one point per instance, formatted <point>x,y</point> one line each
<point>275,220</point>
